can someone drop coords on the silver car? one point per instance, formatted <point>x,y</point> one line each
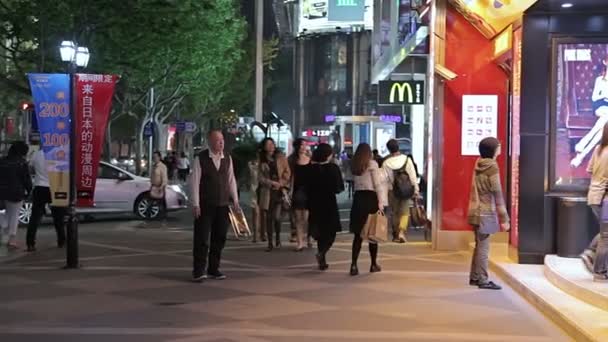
<point>119,191</point>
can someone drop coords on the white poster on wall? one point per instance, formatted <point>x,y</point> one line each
<point>479,121</point>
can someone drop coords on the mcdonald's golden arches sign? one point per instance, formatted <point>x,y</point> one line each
<point>397,93</point>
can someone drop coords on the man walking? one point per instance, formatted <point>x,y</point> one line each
<point>213,189</point>
<point>399,166</point>
<point>41,196</point>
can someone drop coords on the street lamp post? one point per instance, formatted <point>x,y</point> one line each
<point>74,56</point>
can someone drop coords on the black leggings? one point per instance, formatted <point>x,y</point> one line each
<point>373,249</point>
<point>272,221</point>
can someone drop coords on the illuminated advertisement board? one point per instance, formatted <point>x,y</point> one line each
<point>315,16</point>
<point>580,107</point>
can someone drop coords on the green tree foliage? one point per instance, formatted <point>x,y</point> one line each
<point>185,49</point>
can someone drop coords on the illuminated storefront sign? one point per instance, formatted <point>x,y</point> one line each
<point>492,17</point>
<point>316,16</point>
<point>391,118</point>
<point>400,92</point>
<point>503,42</point>
<point>479,121</point>
<point>316,133</point>
<point>330,117</point>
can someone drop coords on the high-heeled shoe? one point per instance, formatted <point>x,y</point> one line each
<point>322,263</point>
<point>375,268</point>
<point>354,270</point>
<point>269,248</point>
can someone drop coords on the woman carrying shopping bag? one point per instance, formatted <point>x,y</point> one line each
<point>366,203</point>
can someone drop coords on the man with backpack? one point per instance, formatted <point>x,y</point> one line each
<point>401,187</point>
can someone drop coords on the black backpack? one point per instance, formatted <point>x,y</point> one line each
<point>402,186</point>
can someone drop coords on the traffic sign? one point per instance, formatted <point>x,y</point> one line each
<point>149,129</point>
<point>185,126</point>
<point>190,127</point>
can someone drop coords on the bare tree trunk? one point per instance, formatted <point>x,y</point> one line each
<point>109,141</point>
<point>139,139</point>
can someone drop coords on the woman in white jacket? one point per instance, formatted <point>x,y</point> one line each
<point>367,185</point>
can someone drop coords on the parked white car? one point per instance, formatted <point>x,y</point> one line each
<point>119,191</point>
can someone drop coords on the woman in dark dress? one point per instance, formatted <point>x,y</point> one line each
<point>299,162</point>
<point>368,187</point>
<point>325,182</point>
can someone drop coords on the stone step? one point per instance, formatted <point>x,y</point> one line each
<point>571,276</point>
<point>581,320</point>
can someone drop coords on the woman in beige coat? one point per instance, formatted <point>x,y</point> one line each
<point>274,177</point>
<point>158,183</point>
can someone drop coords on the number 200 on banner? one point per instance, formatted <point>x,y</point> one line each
<point>53,110</point>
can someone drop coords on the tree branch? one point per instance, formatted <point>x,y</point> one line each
<point>173,107</point>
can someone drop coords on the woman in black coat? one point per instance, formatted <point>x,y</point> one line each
<point>325,182</point>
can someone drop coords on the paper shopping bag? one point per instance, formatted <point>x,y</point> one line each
<point>369,223</point>
<point>377,228</point>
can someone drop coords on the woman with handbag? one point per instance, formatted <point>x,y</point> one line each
<point>487,211</point>
<point>324,218</point>
<point>300,169</point>
<point>158,182</point>
<point>15,186</point>
<point>367,186</point>
<point>273,178</point>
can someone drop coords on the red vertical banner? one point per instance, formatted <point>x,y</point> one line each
<point>93,103</point>
<point>515,146</point>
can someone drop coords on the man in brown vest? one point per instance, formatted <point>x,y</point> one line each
<point>213,189</point>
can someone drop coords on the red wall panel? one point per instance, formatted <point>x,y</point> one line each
<point>469,54</point>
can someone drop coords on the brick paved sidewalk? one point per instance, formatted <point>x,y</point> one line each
<point>134,286</point>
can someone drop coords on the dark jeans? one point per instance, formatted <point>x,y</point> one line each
<point>599,245</point>
<point>41,196</point>
<point>210,231</point>
<point>597,212</point>
<point>479,262</point>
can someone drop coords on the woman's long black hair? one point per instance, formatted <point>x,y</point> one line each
<point>262,152</point>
